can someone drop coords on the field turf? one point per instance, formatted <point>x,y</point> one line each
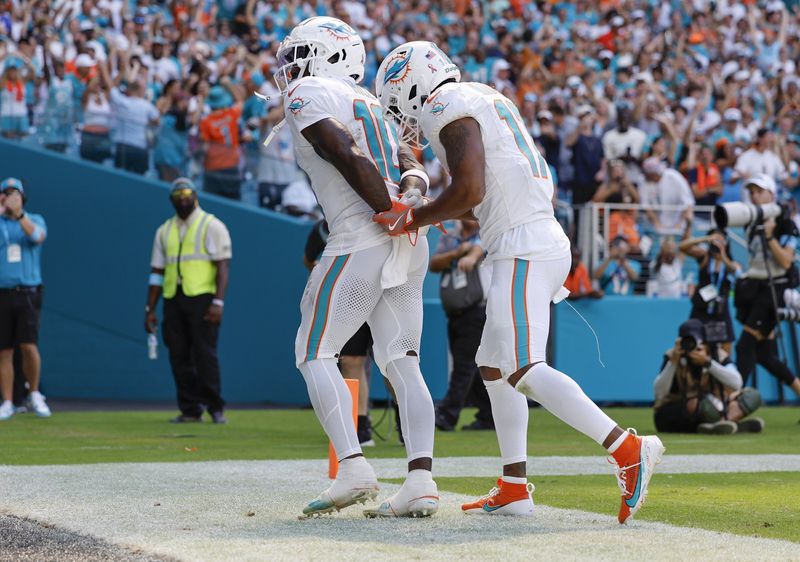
<point>91,437</point>
<point>753,504</point>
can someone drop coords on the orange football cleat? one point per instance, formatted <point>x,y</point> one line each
<point>505,499</point>
<point>635,461</point>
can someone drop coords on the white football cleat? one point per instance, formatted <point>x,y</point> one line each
<point>37,405</point>
<point>355,483</point>
<point>6,410</point>
<point>413,499</point>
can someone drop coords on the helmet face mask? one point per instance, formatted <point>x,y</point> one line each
<point>407,125</point>
<point>320,46</point>
<point>405,80</point>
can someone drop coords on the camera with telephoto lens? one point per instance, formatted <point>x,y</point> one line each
<point>746,214</point>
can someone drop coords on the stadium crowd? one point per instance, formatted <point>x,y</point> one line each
<point>669,102</point>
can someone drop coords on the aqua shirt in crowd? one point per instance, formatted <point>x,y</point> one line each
<point>20,265</point>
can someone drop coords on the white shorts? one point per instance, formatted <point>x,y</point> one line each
<point>518,312</point>
<point>343,292</point>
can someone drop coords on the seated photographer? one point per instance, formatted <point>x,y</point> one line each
<point>717,273</point>
<point>700,390</point>
<point>755,307</point>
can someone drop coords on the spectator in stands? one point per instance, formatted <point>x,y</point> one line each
<point>172,142</point>
<point>616,188</point>
<point>717,273</point>
<point>625,142</point>
<point>21,238</point>
<point>760,159</point>
<point>193,281</point>
<point>220,134</point>
<point>13,108</point>
<point>700,390</point>
<point>578,282</point>
<point>703,174</point>
<point>587,156</point>
<point>97,119</point>
<point>548,138</point>
<point>667,187</point>
<point>277,166</point>
<point>457,258</point>
<point>653,62</point>
<point>58,119</point>
<point>617,274</point>
<point>667,270</point>
<point>133,117</point>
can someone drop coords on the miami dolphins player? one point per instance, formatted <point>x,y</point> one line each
<point>498,175</point>
<point>356,167</point>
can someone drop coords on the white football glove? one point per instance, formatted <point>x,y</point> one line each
<point>412,198</point>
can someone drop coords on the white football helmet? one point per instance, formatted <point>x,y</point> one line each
<point>320,46</point>
<point>406,78</point>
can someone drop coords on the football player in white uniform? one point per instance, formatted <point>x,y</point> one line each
<point>498,175</point>
<point>356,164</point>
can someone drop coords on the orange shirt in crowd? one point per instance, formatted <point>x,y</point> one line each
<point>578,281</point>
<point>623,223</point>
<point>220,129</point>
<point>707,177</point>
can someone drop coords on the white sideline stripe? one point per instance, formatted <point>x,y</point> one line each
<point>597,464</point>
<point>203,516</point>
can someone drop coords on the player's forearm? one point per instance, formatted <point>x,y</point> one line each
<point>407,160</point>
<point>451,204</point>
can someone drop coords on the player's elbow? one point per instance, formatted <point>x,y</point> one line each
<point>473,192</point>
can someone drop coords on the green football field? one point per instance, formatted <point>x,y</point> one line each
<point>760,504</point>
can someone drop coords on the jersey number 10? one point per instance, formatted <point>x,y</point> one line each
<point>382,143</point>
<point>510,115</point>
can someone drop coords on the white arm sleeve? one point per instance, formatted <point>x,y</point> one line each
<point>663,381</point>
<point>728,374</point>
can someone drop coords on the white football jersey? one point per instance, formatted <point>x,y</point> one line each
<point>313,99</point>
<point>516,214</point>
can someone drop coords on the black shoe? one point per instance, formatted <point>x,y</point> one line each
<point>364,431</point>
<point>218,417</point>
<point>751,425</point>
<point>186,419</point>
<point>478,425</point>
<point>443,424</point>
<point>723,427</point>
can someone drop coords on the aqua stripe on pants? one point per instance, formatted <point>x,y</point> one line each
<point>322,306</point>
<point>519,309</point>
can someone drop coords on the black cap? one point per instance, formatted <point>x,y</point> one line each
<point>693,328</point>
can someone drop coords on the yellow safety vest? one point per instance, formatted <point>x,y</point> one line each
<point>187,258</point>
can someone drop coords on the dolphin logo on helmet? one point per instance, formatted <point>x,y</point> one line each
<point>398,68</point>
<point>341,31</point>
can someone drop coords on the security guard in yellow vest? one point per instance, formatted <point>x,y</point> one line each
<point>191,253</point>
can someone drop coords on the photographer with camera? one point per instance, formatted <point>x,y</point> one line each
<point>772,240</point>
<point>717,272</point>
<point>700,390</point>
